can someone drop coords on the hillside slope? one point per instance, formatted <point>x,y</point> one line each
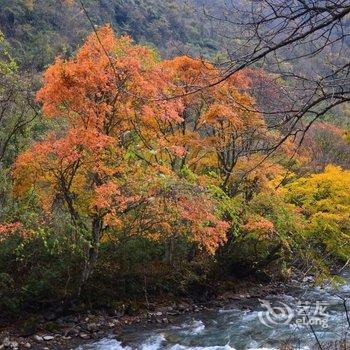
<point>38,30</point>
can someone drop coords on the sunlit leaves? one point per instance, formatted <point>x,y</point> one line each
<point>324,201</point>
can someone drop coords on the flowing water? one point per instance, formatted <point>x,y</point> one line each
<point>302,319</point>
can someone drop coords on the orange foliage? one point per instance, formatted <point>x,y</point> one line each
<point>126,139</point>
<point>106,85</point>
<point>259,225</point>
<point>8,229</point>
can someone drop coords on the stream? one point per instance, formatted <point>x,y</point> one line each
<point>305,318</point>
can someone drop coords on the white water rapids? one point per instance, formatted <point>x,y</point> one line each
<point>241,325</point>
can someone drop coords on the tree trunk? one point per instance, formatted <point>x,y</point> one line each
<point>169,251</point>
<point>90,262</point>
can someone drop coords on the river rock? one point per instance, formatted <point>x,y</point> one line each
<point>246,308</point>
<point>38,338</point>
<point>183,306</point>
<point>229,296</point>
<point>196,308</point>
<point>84,336</point>
<point>27,345</point>
<point>14,345</point>
<point>308,279</point>
<point>72,331</point>
<point>48,337</point>
<point>244,296</point>
<point>174,313</point>
<point>164,309</point>
<point>6,342</point>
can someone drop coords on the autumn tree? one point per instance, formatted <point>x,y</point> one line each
<point>326,144</point>
<point>110,95</point>
<point>211,130</point>
<point>324,202</point>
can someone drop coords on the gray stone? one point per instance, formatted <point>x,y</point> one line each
<point>6,342</point>
<point>14,345</point>
<point>165,309</point>
<point>38,338</point>
<point>308,279</point>
<point>183,306</point>
<point>27,345</point>
<point>48,337</point>
<point>84,336</point>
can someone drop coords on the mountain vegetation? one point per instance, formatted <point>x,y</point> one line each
<point>133,165</point>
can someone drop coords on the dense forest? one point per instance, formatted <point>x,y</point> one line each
<point>40,30</point>
<point>153,149</point>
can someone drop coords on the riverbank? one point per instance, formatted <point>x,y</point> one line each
<point>57,330</point>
